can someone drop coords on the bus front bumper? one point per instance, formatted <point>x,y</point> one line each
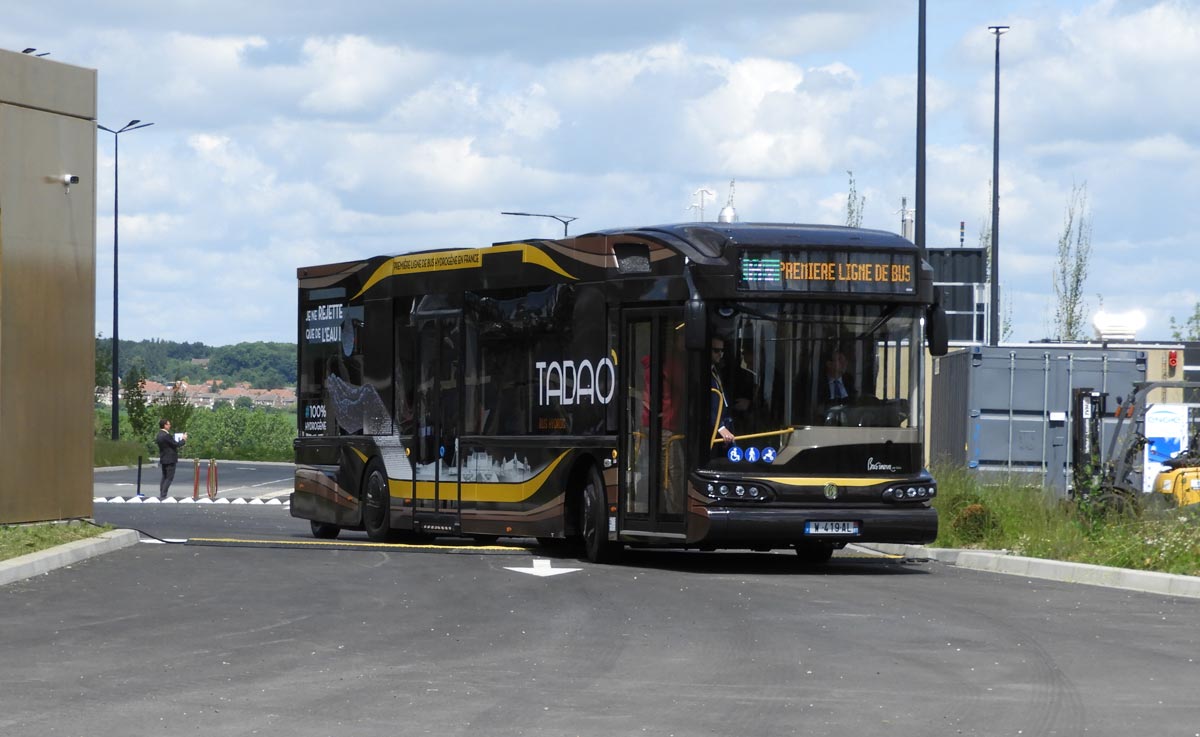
<point>759,526</point>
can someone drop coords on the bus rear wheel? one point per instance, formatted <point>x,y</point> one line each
<point>324,530</point>
<point>593,522</point>
<point>376,503</point>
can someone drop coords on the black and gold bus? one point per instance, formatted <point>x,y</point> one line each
<point>698,385</point>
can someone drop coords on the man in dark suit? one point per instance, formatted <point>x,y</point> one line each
<point>838,387</point>
<point>168,455</point>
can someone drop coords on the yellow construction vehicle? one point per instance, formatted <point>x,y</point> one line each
<point>1177,486</point>
<point>1180,482</point>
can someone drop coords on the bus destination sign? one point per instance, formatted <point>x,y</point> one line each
<point>845,272</point>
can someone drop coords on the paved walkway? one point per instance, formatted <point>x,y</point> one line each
<point>1165,584</point>
<point>999,561</point>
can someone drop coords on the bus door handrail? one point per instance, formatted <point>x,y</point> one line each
<point>769,433</point>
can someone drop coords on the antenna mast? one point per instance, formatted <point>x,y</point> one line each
<point>728,214</point>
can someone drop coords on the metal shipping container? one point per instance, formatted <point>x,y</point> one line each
<point>1007,410</point>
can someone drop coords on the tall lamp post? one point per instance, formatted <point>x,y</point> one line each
<point>919,212</point>
<point>994,325</point>
<point>130,126</point>
<point>564,219</point>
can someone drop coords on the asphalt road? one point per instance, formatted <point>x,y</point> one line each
<point>235,479</point>
<point>217,640</point>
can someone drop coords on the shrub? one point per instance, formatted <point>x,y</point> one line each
<point>974,523</point>
<point>1021,516</point>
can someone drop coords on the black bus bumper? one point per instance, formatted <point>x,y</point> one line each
<point>754,527</point>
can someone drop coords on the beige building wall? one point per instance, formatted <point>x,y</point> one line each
<point>47,288</point>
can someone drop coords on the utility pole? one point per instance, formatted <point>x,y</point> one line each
<point>994,317</point>
<point>701,193</point>
<point>116,336</point>
<point>920,199</point>
<point>906,223</point>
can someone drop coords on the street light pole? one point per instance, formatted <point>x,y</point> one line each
<point>994,325</point>
<point>130,126</point>
<point>564,219</point>
<point>919,213</point>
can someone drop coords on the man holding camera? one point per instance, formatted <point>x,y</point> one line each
<point>168,454</point>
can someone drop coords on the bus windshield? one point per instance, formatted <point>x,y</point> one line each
<point>791,367</point>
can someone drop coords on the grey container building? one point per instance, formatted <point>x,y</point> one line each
<point>1006,410</point>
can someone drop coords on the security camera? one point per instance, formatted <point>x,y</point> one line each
<point>69,179</point>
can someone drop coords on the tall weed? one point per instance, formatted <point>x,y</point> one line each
<point>1025,518</point>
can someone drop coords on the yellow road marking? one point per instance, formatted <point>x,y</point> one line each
<point>355,544</point>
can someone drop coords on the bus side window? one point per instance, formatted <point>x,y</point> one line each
<point>509,405</point>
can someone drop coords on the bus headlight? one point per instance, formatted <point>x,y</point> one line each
<point>914,493</point>
<point>756,492</point>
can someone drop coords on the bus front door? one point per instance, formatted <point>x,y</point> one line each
<point>654,382</point>
<point>437,494</point>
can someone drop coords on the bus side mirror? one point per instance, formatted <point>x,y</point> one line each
<point>695,325</point>
<point>937,330</point>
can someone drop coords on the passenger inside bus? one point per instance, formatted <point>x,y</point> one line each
<point>671,420</point>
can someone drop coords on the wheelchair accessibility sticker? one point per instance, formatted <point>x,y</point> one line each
<point>750,455</point>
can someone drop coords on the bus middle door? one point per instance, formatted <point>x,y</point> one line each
<point>653,453</point>
<point>438,402</point>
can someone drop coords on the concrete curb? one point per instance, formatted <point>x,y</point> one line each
<point>44,561</point>
<point>1166,584</point>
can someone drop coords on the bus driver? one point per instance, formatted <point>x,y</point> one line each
<point>719,417</point>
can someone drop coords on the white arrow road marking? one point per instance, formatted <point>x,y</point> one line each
<point>542,569</point>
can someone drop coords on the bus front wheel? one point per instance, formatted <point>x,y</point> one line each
<point>594,521</point>
<point>376,503</point>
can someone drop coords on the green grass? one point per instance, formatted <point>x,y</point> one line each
<point>1028,520</point>
<point>18,540</point>
<point>108,452</point>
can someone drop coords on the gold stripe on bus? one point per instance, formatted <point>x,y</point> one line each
<point>822,480</point>
<point>361,455</point>
<point>531,255</point>
<point>466,258</point>
<point>477,491</point>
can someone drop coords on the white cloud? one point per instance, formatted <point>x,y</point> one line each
<point>288,135</point>
<point>351,73</point>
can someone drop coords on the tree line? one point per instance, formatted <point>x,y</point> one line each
<point>263,365</point>
<point>226,432</point>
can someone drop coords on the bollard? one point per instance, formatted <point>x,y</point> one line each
<point>210,479</point>
<point>196,480</point>
<point>139,479</point>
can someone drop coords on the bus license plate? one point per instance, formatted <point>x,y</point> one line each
<point>830,527</point>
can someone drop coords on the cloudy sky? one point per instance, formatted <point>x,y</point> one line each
<point>289,134</point>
